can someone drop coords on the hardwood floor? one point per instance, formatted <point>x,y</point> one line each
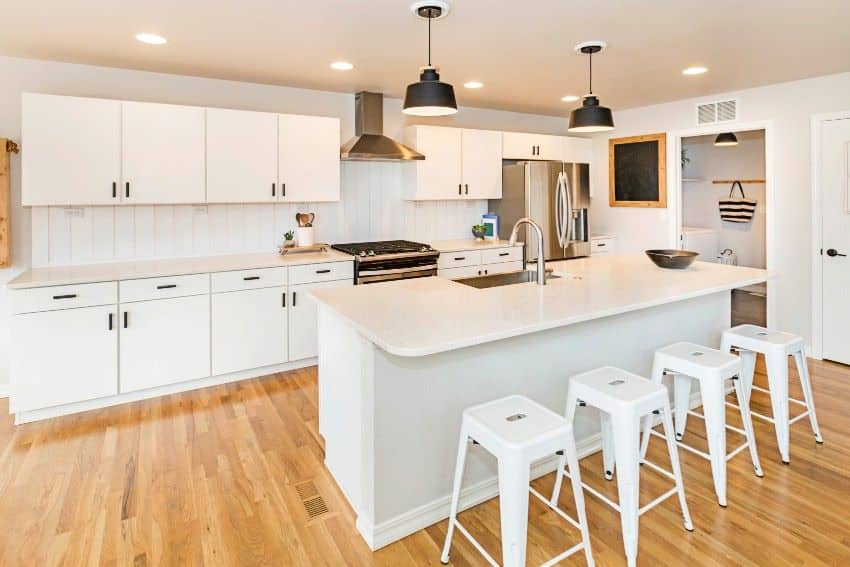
<point>226,475</point>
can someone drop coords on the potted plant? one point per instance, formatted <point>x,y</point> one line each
<point>289,239</point>
<point>478,231</point>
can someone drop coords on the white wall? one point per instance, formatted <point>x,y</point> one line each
<point>370,207</point>
<point>790,107</point>
<point>700,195</point>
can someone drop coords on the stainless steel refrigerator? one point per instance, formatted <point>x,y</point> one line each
<point>556,196</point>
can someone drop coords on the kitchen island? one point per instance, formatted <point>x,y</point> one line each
<point>399,362</point>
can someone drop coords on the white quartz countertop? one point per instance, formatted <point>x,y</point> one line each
<point>429,315</point>
<point>91,273</point>
<point>469,244</point>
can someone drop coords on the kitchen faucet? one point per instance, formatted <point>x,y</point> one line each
<point>541,265</point>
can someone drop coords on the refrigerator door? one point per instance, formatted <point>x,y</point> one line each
<point>545,207</point>
<point>578,183</point>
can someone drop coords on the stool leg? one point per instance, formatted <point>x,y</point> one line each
<point>608,457</point>
<point>714,409</point>
<point>514,478</point>
<point>805,382</point>
<point>674,464</point>
<point>777,377</point>
<point>460,464</point>
<point>748,369</point>
<point>569,414</point>
<point>682,402</point>
<point>657,377</point>
<point>571,456</point>
<point>747,419</point>
<point>628,481</point>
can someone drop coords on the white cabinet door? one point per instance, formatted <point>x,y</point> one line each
<point>61,357</point>
<point>458,273</point>
<point>73,150</point>
<point>248,329</point>
<point>164,341</point>
<point>241,156</point>
<point>303,319</point>
<point>482,164</point>
<point>522,145</point>
<point>577,150</point>
<point>162,153</point>
<point>439,175</point>
<point>550,147</point>
<point>308,158</point>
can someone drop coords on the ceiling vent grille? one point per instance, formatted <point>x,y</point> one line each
<point>719,111</point>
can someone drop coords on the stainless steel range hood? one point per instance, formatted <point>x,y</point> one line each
<point>369,142</point>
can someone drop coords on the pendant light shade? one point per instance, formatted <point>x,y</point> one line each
<point>591,116</point>
<point>430,96</point>
<point>726,139</point>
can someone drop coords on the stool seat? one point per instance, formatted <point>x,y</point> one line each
<point>693,359</point>
<point>612,389</point>
<point>760,339</point>
<point>515,422</point>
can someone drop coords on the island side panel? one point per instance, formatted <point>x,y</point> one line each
<point>419,400</point>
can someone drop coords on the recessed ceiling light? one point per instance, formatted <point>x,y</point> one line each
<point>342,66</point>
<point>473,84</point>
<point>569,98</point>
<point>696,70</point>
<point>151,38</point>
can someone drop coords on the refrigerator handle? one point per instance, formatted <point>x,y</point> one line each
<point>568,221</point>
<point>559,209</point>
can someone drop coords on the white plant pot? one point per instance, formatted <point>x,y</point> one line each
<point>305,235</point>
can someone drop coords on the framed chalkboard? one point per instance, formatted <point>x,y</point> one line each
<point>637,171</point>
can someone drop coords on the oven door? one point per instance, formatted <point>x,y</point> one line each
<point>397,268</point>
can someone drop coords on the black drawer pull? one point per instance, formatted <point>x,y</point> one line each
<point>110,321</point>
<point>600,244</point>
<point>250,278</point>
<point>460,258</point>
<point>323,271</point>
<point>504,253</point>
<point>69,296</point>
<point>166,286</point>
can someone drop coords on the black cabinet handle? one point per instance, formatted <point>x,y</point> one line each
<point>458,189</point>
<point>460,258</point>
<point>166,286</point>
<point>504,253</point>
<point>485,272</point>
<point>110,321</point>
<point>125,319</point>
<point>273,189</point>
<point>601,245</point>
<point>126,188</point>
<point>283,300</point>
<point>114,189</point>
<point>69,296</point>
<point>250,278</point>
<point>294,298</point>
<point>832,253</point>
<point>323,271</point>
<point>283,189</point>
<point>466,188</point>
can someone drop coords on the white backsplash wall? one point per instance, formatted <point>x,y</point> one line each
<point>371,208</point>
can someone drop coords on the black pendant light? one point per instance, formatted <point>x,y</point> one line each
<point>726,139</point>
<point>590,116</point>
<point>430,96</point>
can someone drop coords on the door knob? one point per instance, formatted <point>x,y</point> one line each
<point>832,252</point>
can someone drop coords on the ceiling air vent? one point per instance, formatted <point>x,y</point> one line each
<point>720,111</point>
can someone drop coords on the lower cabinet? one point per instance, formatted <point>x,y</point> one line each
<point>249,329</point>
<point>303,319</point>
<point>164,341</point>
<point>62,357</point>
<point>473,263</point>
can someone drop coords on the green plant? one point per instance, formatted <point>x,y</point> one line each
<point>479,228</point>
<point>289,235</point>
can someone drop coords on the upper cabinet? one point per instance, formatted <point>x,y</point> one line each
<point>241,156</point>
<point>308,158</point>
<point>162,154</point>
<point>82,151</point>
<point>72,152</point>
<point>459,163</point>
<point>577,150</point>
<point>521,145</point>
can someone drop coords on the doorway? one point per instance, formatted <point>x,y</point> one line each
<point>727,171</point>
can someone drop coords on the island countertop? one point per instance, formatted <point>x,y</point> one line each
<point>424,316</point>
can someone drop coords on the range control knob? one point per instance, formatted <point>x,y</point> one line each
<point>362,253</point>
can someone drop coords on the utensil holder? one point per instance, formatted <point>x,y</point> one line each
<point>305,235</point>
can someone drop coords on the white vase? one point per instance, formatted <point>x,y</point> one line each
<point>305,235</point>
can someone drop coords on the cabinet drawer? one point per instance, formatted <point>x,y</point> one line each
<point>497,255</point>
<point>501,268</point>
<point>162,288</point>
<point>325,272</point>
<point>459,259</point>
<point>601,246</point>
<point>63,297</point>
<point>460,273</point>
<point>247,279</point>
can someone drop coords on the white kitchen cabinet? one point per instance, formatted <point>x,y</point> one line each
<point>460,273</point>
<point>303,318</point>
<point>481,169</point>
<point>308,158</point>
<point>486,262</point>
<point>164,341</point>
<point>523,145</point>
<point>439,175</point>
<point>162,154</point>
<point>72,152</point>
<point>577,150</point>
<point>241,158</point>
<point>62,357</point>
<point>501,268</point>
<point>249,329</point>
<point>603,244</point>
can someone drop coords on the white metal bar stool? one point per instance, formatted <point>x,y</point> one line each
<point>624,398</point>
<point>688,361</point>
<point>776,346</point>
<point>517,431</point>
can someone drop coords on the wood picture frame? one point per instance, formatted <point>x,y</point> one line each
<point>6,146</point>
<point>637,171</point>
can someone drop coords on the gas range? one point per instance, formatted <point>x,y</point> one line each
<point>390,260</point>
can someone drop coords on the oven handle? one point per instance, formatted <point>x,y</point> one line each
<point>362,272</point>
<point>400,255</point>
<point>369,278</point>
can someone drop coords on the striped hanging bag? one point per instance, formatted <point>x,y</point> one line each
<point>735,209</point>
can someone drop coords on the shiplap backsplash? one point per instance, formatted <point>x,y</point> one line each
<point>371,208</point>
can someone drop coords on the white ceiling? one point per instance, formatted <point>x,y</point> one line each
<point>521,50</point>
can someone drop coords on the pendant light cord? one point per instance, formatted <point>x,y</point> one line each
<point>429,37</point>
<point>590,63</point>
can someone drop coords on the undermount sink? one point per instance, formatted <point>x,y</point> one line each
<point>510,278</point>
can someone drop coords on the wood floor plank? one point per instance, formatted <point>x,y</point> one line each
<point>212,478</point>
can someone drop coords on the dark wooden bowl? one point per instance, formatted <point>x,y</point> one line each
<point>673,259</point>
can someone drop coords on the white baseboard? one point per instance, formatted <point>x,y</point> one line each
<point>56,411</point>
